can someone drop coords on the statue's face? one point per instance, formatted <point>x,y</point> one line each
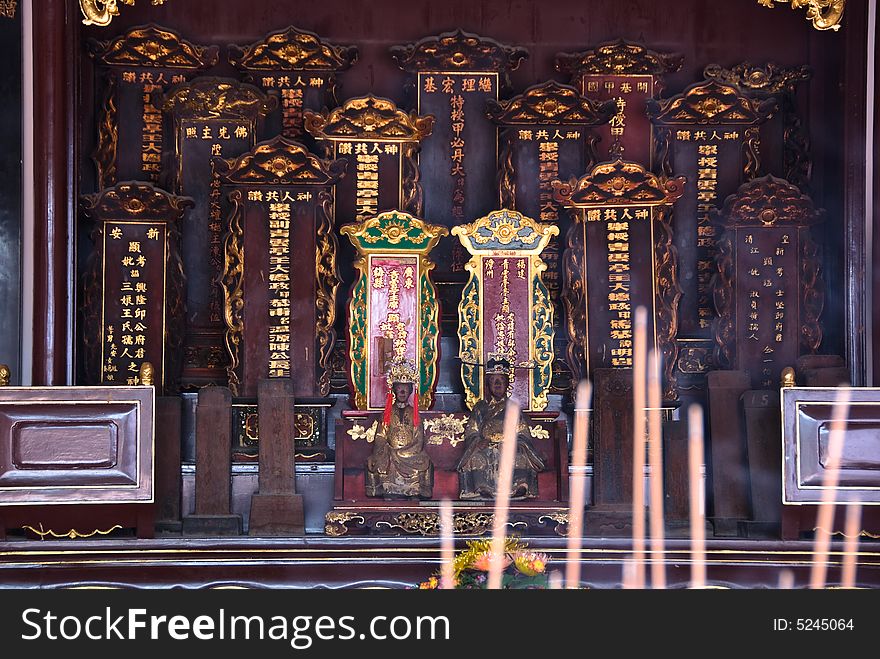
<point>401,391</point>
<point>497,383</point>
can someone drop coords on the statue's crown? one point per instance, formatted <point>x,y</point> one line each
<point>497,362</point>
<point>402,370</point>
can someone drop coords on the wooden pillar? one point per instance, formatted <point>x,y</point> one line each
<point>676,479</point>
<point>167,463</point>
<point>54,180</point>
<point>611,512</point>
<point>730,481</point>
<point>276,509</point>
<point>763,430</point>
<point>213,466</point>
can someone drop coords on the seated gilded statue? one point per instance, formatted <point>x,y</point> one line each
<point>483,435</point>
<point>399,466</point>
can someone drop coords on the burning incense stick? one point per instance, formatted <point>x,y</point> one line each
<point>851,531</point>
<point>655,458</point>
<point>825,519</point>
<point>502,495</point>
<point>697,497</point>
<point>447,532</point>
<point>639,405</point>
<point>578,486</point>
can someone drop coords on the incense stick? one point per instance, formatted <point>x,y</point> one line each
<point>447,532</point>
<point>655,457</point>
<point>502,495</point>
<point>639,405</point>
<point>786,580</point>
<point>825,519</point>
<point>629,574</point>
<point>851,531</point>
<point>697,497</point>
<point>578,486</point>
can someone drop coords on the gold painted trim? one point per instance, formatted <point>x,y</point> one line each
<point>72,533</point>
<point>327,280</point>
<point>232,284</point>
<point>105,153</point>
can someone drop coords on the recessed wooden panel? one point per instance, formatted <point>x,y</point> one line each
<point>76,445</point>
<point>806,426</point>
<point>58,445</point>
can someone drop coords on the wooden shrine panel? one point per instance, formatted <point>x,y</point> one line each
<point>710,135</point>
<point>300,67</point>
<point>133,300</point>
<point>505,310</point>
<point>769,292</point>
<point>381,144</point>
<point>213,118</point>
<point>393,310</point>
<point>620,256</point>
<point>280,277</point>
<point>785,148</point>
<point>548,133</point>
<point>628,74</point>
<point>455,74</point>
<point>138,67</point>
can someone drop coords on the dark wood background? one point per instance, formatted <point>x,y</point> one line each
<point>832,104</point>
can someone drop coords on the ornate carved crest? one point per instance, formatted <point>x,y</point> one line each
<point>280,161</point>
<point>550,103</point>
<point>136,200</point>
<point>711,102</point>
<point>767,80</point>
<point>218,98</point>
<point>458,51</point>
<point>618,183</point>
<point>371,118</point>
<point>151,45</point>
<point>505,229</point>
<point>619,58</point>
<point>824,14</point>
<point>292,49</point>
<point>394,230</point>
<point>767,201</point>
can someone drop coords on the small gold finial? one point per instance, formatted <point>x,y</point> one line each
<point>146,374</point>
<point>788,377</point>
<point>5,374</point>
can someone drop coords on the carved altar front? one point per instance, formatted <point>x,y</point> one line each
<point>356,514</point>
<point>393,311</point>
<point>505,309</point>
